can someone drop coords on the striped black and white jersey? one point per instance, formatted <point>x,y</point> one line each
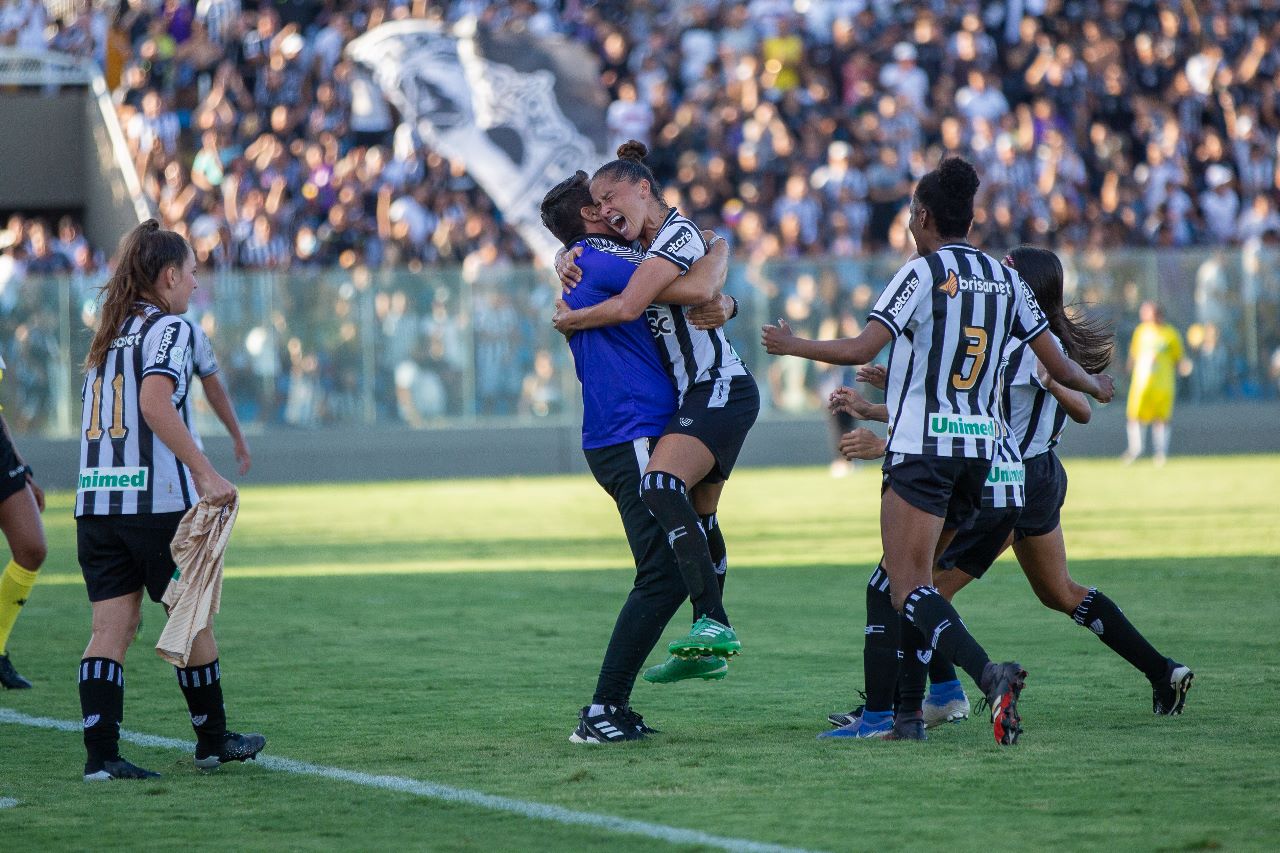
<point>124,468</point>
<point>1005,486</point>
<point>690,355</point>
<point>948,313</point>
<point>1006,481</point>
<point>1036,419</point>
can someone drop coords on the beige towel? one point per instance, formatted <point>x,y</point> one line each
<point>195,592</point>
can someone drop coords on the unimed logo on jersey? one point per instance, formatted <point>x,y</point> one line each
<point>965,426</point>
<point>113,479</point>
<point>1005,474</point>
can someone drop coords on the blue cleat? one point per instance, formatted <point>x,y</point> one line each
<point>871,725</point>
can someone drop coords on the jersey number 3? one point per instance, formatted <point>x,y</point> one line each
<point>117,430</point>
<point>977,350</point>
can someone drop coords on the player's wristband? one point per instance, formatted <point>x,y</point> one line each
<point>735,308</point>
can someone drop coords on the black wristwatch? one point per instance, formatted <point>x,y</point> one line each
<point>735,308</point>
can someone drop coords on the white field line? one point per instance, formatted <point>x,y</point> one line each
<point>8,802</point>
<point>443,793</point>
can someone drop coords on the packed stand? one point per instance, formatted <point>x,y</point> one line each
<point>1092,123</point>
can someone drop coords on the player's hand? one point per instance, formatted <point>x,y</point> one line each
<point>779,339</point>
<point>711,315</point>
<point>566,268</point>
<point>845,399</point>
<point>36,491</point>
<point>1106,388</point>
<point>874,375</point>
<point>243,457</point>
<point>861,443</point>
<point>214,488</point>
<point>561,318</point>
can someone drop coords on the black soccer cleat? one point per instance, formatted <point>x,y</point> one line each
<point>1002,685</point>
<point>839,721</point>
<point>116,768</point>
<point>232,747</point>
<point>908,727</point>
<point>9,676</point>
<point>1170,693</point>
<point>615,725</point>
<point>628,714</point>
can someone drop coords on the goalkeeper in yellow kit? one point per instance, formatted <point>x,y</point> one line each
<point>1155,359</point>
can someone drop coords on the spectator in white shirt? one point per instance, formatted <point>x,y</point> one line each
<point>1219,203</point>
<point>628,117</point>
<point>904,78</point>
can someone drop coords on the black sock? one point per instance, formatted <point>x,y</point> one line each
<point>881,645</point>
<point>940,624</point>
<point>202,688</point>
<point>102,706</point>
<point>941,671</point>
<point>715,543</point>
<point>916,655</point>
<point>666,497</point>
<point>1101,616</point>
<point>716,547</point>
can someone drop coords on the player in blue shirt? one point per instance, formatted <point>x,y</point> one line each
<point>627,401</point>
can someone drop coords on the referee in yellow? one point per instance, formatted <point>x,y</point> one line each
<point>1155,359</point>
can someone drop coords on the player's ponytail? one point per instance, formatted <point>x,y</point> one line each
<point>630,167</point>
<point>144,253</point>
<point>1089,341</point>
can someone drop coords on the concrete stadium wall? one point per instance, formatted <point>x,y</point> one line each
<point>354,454</point>
<point>110,207</point>
<point>42,157</point>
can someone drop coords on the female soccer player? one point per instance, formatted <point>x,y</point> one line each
<point>949,314</point>
<point>1037,408</point>
<point>1155,357</point>
<point>718,399</point>
<point>627,400</point>
<point>21,502</point>
<point>140,471</point>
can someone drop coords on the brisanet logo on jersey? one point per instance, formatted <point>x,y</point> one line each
<point>965,426</point>
<point>113,479</point>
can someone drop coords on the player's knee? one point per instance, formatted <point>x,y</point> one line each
<point>31,554</point>
<point>1060,597</point>
<point>659,490</point>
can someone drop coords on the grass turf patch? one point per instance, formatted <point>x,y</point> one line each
<point>472,677</point>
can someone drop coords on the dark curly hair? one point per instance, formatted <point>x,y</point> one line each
<point>947,193</point>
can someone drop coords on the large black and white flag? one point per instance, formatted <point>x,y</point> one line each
<point>521,111</point>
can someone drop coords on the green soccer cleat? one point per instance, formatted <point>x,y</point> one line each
<point>682,669</point>
<point>707,637</point>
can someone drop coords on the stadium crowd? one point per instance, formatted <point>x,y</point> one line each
<point>797,129</point>
<point>1093,122</point>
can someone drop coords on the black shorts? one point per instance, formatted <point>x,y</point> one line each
<point>120,554</point>
<point>976,547</point>
<point>13,474</point>
<point>1046,488</point>
<point>949,487</point>
<point>719,413</point>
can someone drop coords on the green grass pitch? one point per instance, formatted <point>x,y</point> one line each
<point>449,631</point>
